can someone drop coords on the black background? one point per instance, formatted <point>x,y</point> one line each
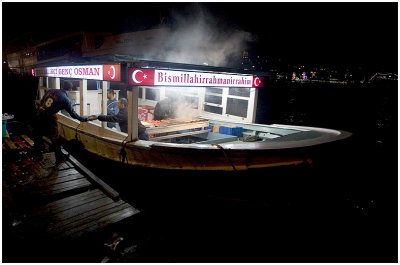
<point>309,33</point>
<point>345,209</point>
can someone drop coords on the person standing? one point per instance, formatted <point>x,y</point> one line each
<point>112,106</point>
<point>122,118</point>
<point>52,102</point>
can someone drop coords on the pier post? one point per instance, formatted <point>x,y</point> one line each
<point>251,113</point>
<point>104,102</point>
<point>58,83</point>
<point>83,96</point>
<point>133,94</point>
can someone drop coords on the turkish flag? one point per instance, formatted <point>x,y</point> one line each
<point>258,81</point>
<point>112,72</point>
<point>33,71</point>
<point>138,77</point>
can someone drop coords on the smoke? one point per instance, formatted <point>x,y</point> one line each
<point>200,38</point>
<point>185,111</point>
<point>181,106</point>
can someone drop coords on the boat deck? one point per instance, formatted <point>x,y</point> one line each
<point>55,202</point>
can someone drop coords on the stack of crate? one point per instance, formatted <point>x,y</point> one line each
<point>228,129</point>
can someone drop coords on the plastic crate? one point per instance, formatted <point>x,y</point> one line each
<point>236,131</point>
<point>209,128</point>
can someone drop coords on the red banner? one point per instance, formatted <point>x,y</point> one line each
<point>112,72</point>
<point>258,81</point>
<point>141,76</point>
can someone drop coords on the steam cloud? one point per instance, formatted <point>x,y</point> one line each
<point>184,111</point>
<point>201,39</point>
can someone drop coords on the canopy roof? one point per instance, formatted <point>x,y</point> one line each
<point>131,61</point>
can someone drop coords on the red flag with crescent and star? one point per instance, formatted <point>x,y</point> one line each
<point>139,77</point>
<point>112,72</point>
<point>258,81</point>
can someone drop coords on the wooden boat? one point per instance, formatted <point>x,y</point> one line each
<point>210,141</point>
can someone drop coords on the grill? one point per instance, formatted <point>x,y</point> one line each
<point>174,128</point>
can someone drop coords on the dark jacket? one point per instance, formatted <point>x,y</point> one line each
<point>55,100</point>
<point>112,109</point>
<point>122,118</point>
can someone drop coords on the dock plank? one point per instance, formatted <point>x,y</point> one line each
<point>86,217</point>
<point>55,218</point>
<point>104,186</point>
<point>65,200</point>
<point>99,223</point>
<point>60,188</point>
<point>67,203</point>
<point>55,173</point>
<point>80,209</point>
<point>42,183</point>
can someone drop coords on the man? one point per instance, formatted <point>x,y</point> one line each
<point>122,118</point>
<point>167,108</point>
<point>52,102</point>
<point>112,106</point>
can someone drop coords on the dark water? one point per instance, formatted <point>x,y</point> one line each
<point>343,209</point>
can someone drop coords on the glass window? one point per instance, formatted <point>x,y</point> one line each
<point>44,82</point>
<point>75,85</point>
<point>239,91</point>
<point>213,99</point>
<point>172,92</point>
<point>190,90</point>
<point>192,101</point>
<point>213,109</point>
<point>152,94</point>
<point>237,107</point>
<point>52,82</point>
<point>93,85</point>
<point>214,90</point>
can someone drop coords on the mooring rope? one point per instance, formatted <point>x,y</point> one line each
<point>122,152</point>
<point>76,131</point>
<point>226,156</point>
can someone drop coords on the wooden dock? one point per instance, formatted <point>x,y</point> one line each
<point>56,202</point>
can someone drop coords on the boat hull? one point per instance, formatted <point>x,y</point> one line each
<point>191,157</point>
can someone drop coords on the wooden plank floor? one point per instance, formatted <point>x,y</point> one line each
<point>76,215</point>
<point>56,202</point>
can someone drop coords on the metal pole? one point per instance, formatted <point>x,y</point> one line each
<point>104,102</point>
<point>82,97</point>
<point>133,113</point>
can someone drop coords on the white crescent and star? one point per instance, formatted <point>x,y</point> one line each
<point>255,81</point>
<point>112,76</point>
<point>134,76</point>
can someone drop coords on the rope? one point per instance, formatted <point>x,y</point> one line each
<point>76,132</point>
<point>226,156</point>
<point>122,152</point>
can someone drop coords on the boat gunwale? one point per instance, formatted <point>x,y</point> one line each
<point>327,135</point>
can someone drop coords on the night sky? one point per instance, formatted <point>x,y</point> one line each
<point>310,33</point>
